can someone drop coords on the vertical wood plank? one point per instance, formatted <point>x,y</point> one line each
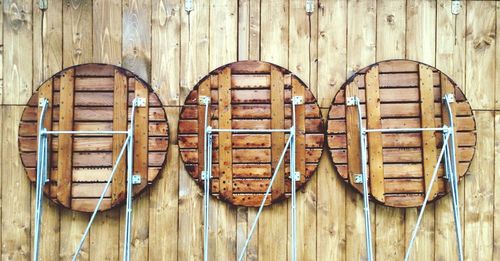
<point>77,48</point>
<point>248,49</point>
<point>223,49</point>
<point>225,140</point>
<point>429,151</point>
<point>421,46</point>
<point>480,56</point>
<point>391,36</point>
<point>107,28</point>
<point>47,60</point>
<point>136,37</point>
<point>136,56</point>
<point>303,51</point>
<point>352,133</point>
<point>496,214</point>
<point>107,36</point>
<point>65,152</point>
<point>277,138</point>
<point>194,63</point>
<point>375,160</point>
<point>479,206</point>
<point>203,91</point>
<point>165,69</point>
<point>274,49</point>
<point>16,218</point>
<point>332,60</point>
<point>18,46</point>
<point>120,111</point>
<point>46,92</point>
<point>450,59</point>
<point>165,59</point>
<point>77,32</point>
<point>361,40</point>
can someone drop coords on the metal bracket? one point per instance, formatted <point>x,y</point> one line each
<point>43,5</point>
<point>351,101</point>
<point>42,102</point>
<point>309,6</point>
<point>140,102</point>
<point>456,7</point>
<point>358,178</point>
<point>295,176</point>
<point>188,5</point>
<point>449,97</point>
<point>203,100</point>
<point>136,179</point>
<point>204,175</point>
<point>297,100</point>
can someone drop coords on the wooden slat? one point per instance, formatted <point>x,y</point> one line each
<point>120,115</point>
<point>65,161</point>
<point>277,138</point>
<point>225,151</point>
<point>141,136</point>
<point>46,91</point>
<point>429,151</point>
<point>300,129</point>
<point>353,138</point>
<point>375,158</point>
<point>203,90</point>
<point>448,88</point>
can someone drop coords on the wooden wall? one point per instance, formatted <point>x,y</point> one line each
<point>172,49</point>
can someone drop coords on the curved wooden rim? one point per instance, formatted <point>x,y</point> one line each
<point>161,128</point>
<point>385,68</point>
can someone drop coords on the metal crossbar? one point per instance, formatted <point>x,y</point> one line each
<point>42,169</point>
<point>447,154</point>
<point>206,175</point>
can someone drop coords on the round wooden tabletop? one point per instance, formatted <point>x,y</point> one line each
<point>94,97</point>
<point>250,95</point>
<point>399,94</point>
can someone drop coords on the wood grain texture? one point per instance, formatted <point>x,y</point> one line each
<point>375,157</point>
<point>65,152</point>
<point>402,153</point>
<point>71,111</point>
<point>429,150</point>
<point>225,138</point>
<point>277,138</point>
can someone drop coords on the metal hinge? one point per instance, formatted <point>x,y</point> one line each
<point>449,97</point>
<point>298,100</point>
<point>351,101</point>
<point>188,5</point>
<point>42,102</point>
<point>203,100</point>
<point>358,178</point>
<point>309,6</point>
<point>456,7</point>
<point>136,179</point>
<point>295,176</point>
<point>140,102</point>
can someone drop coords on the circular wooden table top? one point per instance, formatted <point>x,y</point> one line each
<point>399,94</point>
<point>250,95</point>
<point>94,97</point>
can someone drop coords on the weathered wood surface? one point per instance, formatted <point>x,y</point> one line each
<point>82,163</point>
<point>405,161</point>
<point>244,173</point>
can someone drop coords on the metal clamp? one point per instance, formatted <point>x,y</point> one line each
<point>188,5</point>
<point>43,5</point>
<point>309,6</point>
<point>352,101</point>
<point>297,100</point>
<point>203,100</point>
<point>140,102</point>
<point>456,7</point>
<point>136,179</point>
<point>295,175</point>
<point>358,178</point>
<point>449,97</point>
<point>42,102</point>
